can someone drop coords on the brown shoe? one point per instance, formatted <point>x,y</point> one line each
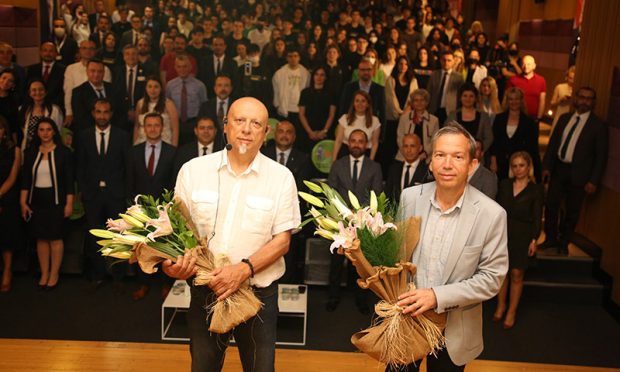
<point>140,293</point>
<point>164,291</point>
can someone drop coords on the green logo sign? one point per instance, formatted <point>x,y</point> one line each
<point>322,155</point>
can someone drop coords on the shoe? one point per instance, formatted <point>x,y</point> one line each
<point>50,288</point>
<point>332,305</point>
<point>140,293</point>
<point>164,291</point>
<point>362,307</point>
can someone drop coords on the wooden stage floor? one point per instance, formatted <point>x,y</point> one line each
<point>49,355</point>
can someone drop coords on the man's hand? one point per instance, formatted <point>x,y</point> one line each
<point>226,280</point>
<point>417,301</point>
<point>183,269</point>
<point>590,188</point>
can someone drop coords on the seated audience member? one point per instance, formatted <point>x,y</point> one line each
<point>149,172</point>
<point>482,178</point>
<point>207,142</point>
<point>359,174</point>
<point>574,165</point>
<point>154,100</point>
<point>417,120</point>
<point>51,72</point>
<point>101,157</point>
<point>36,106</point>
<point>187,93</point>
<point>523,201</point>
<point>10,162</point>
<point>410,172</point>
<point>46,197</point>
<point>359,117</point>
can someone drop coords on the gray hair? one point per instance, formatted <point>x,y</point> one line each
<point>422,93</point>
<point>455,128</point>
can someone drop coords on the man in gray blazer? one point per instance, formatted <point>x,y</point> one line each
<point>462,256</point>
<point>443,86</point>
<point>482,178</point>
<point>358,173</point>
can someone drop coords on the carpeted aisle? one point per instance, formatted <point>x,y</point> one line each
<point>544,333</point>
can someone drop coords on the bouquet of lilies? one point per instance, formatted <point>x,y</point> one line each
<point>380,248</point>
<point>150,232</point>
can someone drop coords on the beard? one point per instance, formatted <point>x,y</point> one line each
<point>243,149</point>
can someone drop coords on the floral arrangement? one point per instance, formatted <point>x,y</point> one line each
<point>380,248</point>
<point>151,231</point>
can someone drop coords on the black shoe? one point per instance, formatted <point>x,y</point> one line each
<point>332,305</point>
<point>362,307</point>
<point>547,244</point>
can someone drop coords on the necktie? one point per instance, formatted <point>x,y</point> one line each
<point>46,73</point>
<point>100,94</point>
<point>218,68</point>
<point>130,86</point>
<point>564,148</point>
<point>102,144</point>
<point>204,150</point>
<point>183,103</point>
<point>441,87</point>
<point>220,113</point>
<point>354,178</point>
<point>281,161</point>
<point>406,180</point>
<point>151,165</point>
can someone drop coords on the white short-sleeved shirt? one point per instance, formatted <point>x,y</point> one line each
<point>358,123</point>
<point>251,207</point>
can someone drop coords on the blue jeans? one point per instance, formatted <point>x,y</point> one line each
<point>256,338</point>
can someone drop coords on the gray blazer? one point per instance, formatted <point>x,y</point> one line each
<point>370,178</point>
<point>485,181</point>
<point>475,268</point>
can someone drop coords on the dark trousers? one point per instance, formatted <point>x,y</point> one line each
<point>388,147</point>
<point>186,131</point>
<point>256,338</point>
<point>98,209</point>
<point>442,115</point>
<point>561,189</point>
<point>335,278</point>
<point>441,363</point>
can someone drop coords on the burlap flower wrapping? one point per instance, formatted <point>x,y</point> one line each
<point>395,338</point>
<point>225,315</point>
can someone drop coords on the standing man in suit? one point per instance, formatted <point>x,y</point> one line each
<point>217,108</point>
<point>66,47</point>
<point>443,86</point>
<point>93,19</point>
<point>132,36</point>
<point>361,175</point>
<point>284,152</point>
<point>84,96</point>
<point>365,83</point>
<point>149,172</point>
<point>102,151</point>
<point>207,142</point>
<point>128,84</point>
<point>461,256</point>
<point>103,27</point>
<point>410,172</point>
<point>219,63</point>
<point>50,71</point>
<point>482,178</point>
<point>574,164</point>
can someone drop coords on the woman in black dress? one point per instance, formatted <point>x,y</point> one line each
<point>10,161</point>
<point>423,67</point>
<point>317,110</point>
<point>47,196</point>
<point>523,200</point>
<point>513,130</point>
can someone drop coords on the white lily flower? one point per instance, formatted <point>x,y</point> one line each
<point>354,202</point>
<point>324,233</point>
<point>137,212</point>
<point>129,239</point>
<point>342,209</point>
<point>311,199</point>
<point>162,224</point>
<point>344,238</point>
<point>374,204</point>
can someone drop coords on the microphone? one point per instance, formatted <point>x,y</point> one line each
<point>229,146</point>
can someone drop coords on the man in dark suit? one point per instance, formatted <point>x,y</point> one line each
<point>128,84</point>
<point>218,63</point>
<point>93,19</point>
<point>103,27</point>
<point>149,172</point>
<point>101,157</point>
<point>51,72</point>
<point>360,175</point>
<point>482,178</point>
<point>217,108</point>
<point>365,83</point>
<point>207,142</point>
<point>85,95</point>
<point>131,37</point>
<point>443,86</point>
<point>122,26</point>
<point>283,151</point>
<point>574,164</point>
<point>65,45</point>
<point>413,171</point>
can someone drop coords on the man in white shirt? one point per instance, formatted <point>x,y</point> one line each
<point>260,35</point>
<point>247,219</point>
<point>75,75</point>
<point>288,82</point>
